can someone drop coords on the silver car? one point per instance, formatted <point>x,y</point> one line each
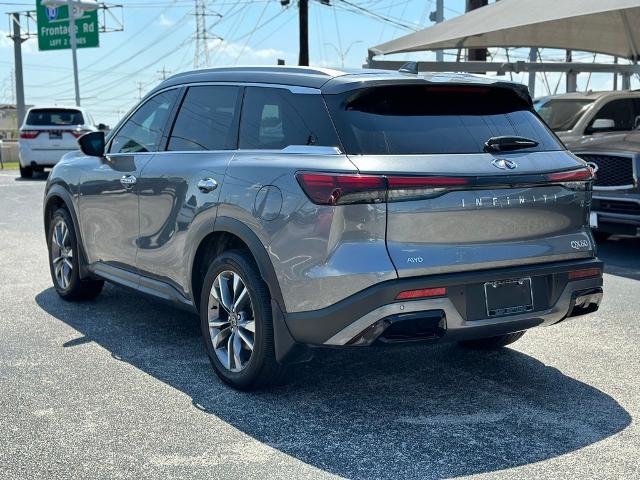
<point>297,208</point>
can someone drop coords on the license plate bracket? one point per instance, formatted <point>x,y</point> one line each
<point>508,297</point>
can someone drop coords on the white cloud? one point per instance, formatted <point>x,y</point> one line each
<point>248,54</point>
<point>5,42</point>
<point>165,21</point>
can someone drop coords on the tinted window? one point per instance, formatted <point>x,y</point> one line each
<point>415,119</point>
<point>620,111</point>
<point>274,118</point>
<point>560,114</point>
<point>54,116</point>
<point>206,119</point>
<point>143,130</point>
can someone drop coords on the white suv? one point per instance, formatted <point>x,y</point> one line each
<point>48,133</point>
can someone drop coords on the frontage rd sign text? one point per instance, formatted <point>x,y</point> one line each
<point>53,28</point>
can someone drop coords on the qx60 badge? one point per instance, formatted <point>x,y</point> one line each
<point>504,164</point>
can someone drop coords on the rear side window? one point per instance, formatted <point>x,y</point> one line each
<point>206,120</point>
<point>274,118</point>
<point>54,116</point>
<point>418,119</point>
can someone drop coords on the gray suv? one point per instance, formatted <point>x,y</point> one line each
<point>297,208</point>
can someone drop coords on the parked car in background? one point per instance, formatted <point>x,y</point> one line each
<point>295,208</point>
<point>615,207</point>
<point>48,133</point>
<point>603,128</point>
<point>579,118</point>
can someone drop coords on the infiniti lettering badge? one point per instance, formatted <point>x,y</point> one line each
<point>504,164</point>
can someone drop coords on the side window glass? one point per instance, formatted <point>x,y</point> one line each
<point>206,120</point>
<point>274,118</point>
<point>142,132</point>
<point>621,112</point>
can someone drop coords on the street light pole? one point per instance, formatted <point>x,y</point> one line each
<point>73,39</point>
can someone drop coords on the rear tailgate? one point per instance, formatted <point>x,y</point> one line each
<point>470,172</point>
<point>495,218</point>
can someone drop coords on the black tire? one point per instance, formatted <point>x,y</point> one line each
<point>492,343</point>
<point>26,172</point>
<point>261,369</point>
<point>72,287</point>
<point>600,236</point>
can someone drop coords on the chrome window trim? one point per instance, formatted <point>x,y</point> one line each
<point>292,88</point>
<point>289,150</point>
<point>633,157</point>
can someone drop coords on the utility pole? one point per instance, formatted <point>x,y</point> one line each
<point>201,56</point>
<point>303,18</point>
<point>16,36</point>
<point>140,88</point>
<point>163,73</point>
<point>438,17</point>
<point>476,54</point>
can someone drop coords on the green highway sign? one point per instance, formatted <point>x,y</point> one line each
<point>53,28</point>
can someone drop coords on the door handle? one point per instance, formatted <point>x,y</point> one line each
<point>128,181</point>
<point>206,185</point>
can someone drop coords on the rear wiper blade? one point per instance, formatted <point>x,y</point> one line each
<point>506,144</point>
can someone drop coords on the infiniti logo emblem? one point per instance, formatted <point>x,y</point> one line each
<point>504,164</point>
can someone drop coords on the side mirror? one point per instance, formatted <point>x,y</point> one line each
<point>92,144</point>
<point>603,125</point>
<point>102,127</point>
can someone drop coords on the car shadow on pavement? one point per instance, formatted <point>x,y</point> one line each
<point>427,412</point>
<point>620,257</point>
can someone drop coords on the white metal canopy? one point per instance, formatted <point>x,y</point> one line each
<point>602,26</point>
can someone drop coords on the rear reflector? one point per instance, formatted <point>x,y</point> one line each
<point>586,273</point>
<point>422,293</point>
<point>29,133</point>
<point>582,175</point>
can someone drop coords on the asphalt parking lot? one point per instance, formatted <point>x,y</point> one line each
<point>121,387</point>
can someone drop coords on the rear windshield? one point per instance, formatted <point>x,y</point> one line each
<point>54,116</point>
<point>562,115</point>
<point>418,119</point>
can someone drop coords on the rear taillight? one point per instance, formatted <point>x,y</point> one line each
<point>335,189</point>
<point>422,293</point>
<point>407,188</point>
<point>585,273</point>
<point>342,189</point>
<point>582,175</point>
<point>78,133</point>
<point>338,189</point>
<point>29,134</point>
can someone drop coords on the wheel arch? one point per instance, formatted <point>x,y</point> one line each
<point>231,233</point>
<point>58,197</point>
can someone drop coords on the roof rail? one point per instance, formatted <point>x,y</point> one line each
<point>266,69</point>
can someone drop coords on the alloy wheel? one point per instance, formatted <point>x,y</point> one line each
<point>232,326</point>
<point>62,254</point>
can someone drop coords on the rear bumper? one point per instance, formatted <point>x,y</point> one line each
<point>41,158</point>
<point>363,319</point>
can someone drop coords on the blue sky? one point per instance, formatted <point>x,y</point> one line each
<point>160,34</point>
